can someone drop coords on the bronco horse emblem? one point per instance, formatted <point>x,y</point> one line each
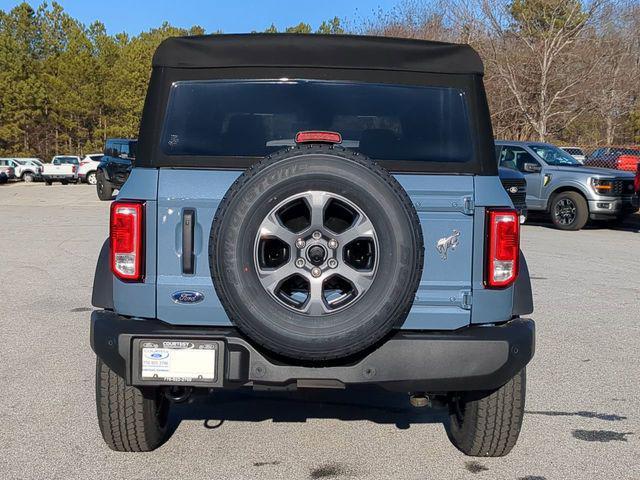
<point>446,243</point>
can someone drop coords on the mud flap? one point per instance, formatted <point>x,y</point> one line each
<point>522,296</point>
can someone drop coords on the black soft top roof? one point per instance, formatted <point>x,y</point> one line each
<point>317,51</point>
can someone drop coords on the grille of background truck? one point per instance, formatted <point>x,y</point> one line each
<point>518,198</point>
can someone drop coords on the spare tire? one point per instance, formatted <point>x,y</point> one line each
<point>316,253</point>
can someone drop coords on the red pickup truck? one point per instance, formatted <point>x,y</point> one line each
<point>636,184</point>
<point>619,158</point>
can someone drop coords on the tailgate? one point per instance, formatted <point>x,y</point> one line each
<point>445,207</point>
<point>65,169</point>
<point>444,204</point>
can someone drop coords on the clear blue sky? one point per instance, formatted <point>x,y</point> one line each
<point>230,16</point>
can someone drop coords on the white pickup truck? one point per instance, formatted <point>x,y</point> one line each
<point>63,168</point>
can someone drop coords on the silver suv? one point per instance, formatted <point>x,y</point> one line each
<point>560,185</point>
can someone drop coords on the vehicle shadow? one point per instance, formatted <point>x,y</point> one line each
<point>374,405</point>
<point>630,224</point>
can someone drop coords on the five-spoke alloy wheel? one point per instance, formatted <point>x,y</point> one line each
<point>316,252</point>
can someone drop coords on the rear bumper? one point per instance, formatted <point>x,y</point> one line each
<point>472,358</point>
<point>59,177</point>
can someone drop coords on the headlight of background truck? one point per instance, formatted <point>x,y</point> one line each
<point>602,186</point>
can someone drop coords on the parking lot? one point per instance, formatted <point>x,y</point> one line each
<point>583,403</point>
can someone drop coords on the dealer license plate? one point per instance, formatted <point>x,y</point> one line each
<point>179,360</point>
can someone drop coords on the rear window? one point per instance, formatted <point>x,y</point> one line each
<point>65,160</point>
<point>256,118</point>
<point>121,149</point>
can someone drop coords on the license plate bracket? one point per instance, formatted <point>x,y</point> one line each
<point>177,361</point>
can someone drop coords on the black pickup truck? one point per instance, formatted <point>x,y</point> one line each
<point>115,166</point>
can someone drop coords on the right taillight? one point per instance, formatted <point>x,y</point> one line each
<point>503,248</point>
<point>126,236</point>
<point>636,182</point>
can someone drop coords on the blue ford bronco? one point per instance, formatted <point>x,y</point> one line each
<point>313,212</point>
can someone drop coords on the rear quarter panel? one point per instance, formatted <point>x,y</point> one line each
<point>139,299</point>
<point>489,305</point>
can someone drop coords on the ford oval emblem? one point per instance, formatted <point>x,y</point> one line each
<point>157,355</point>
<point>187,297</point>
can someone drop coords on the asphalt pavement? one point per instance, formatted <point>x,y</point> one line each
<point>583,398</point>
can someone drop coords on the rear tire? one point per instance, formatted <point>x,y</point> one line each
<point>488,425</point>
<point>104,188</point>
<point>48,183</point>
<point>131,420</point>
<point>64,182</point>
<point>569,211</point>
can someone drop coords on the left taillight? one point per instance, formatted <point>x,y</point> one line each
<point>127,240</point>
<point>502,248</point>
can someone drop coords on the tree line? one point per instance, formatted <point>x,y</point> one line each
<point>557,70</point>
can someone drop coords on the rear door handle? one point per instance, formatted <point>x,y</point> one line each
<point>188,256</point>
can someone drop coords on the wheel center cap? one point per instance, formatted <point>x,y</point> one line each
<point>317,254</point>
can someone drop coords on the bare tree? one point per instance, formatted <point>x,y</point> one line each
<point>615,80</point>
<point>538,50</point>
<point>412,19</point>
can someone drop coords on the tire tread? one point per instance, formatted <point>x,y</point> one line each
<point>491,424</point>
<point>124,414</point>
